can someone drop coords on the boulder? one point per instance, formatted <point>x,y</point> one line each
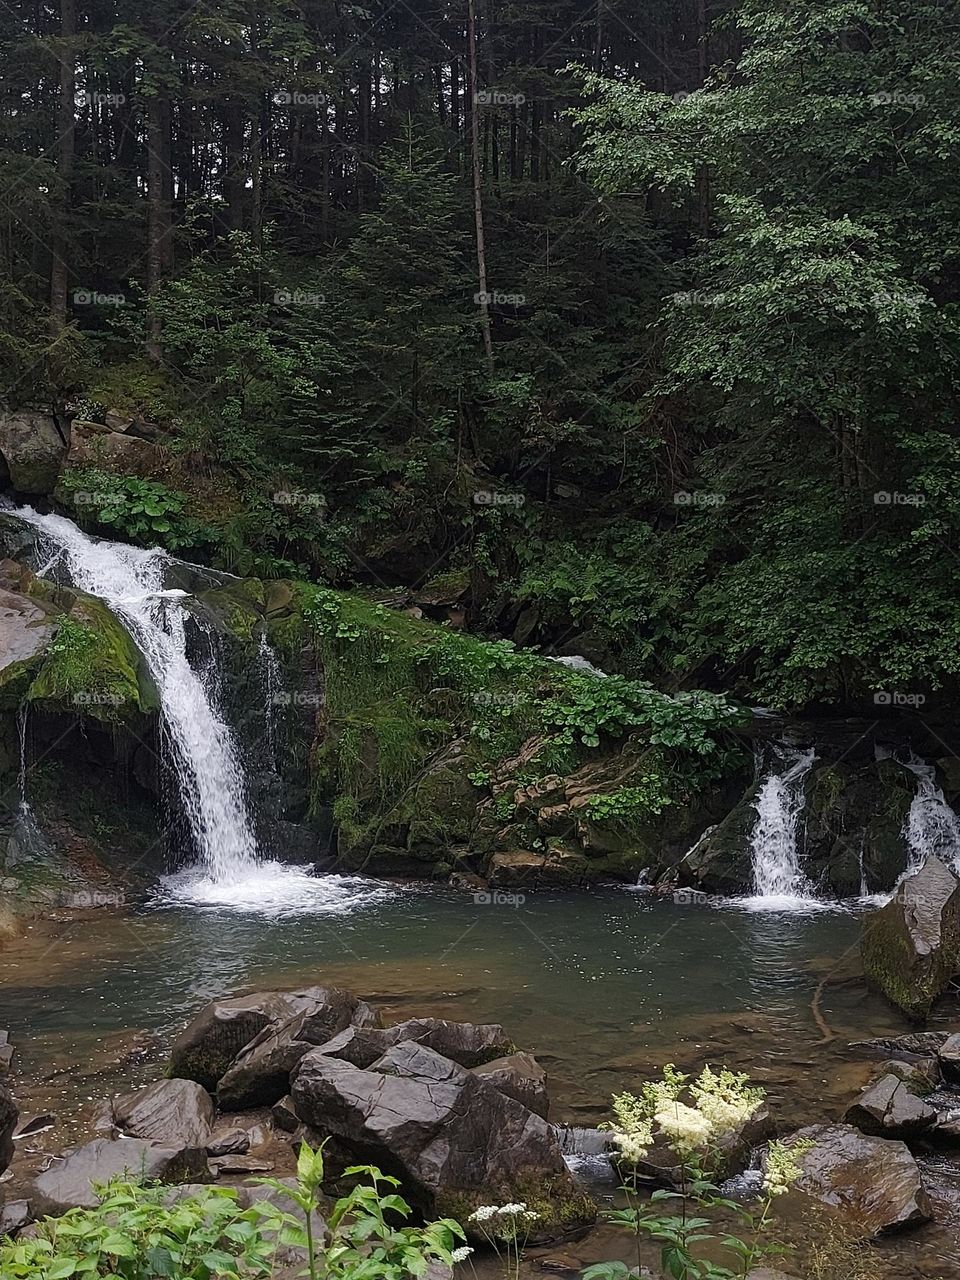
<point>949,1058</point>
<point>260,1074</point>
<point>206,1048</point>
<point>874,1183</point>
<point>911,947</point>
<point>26,628</point>
<point>519,1076</point>
<point>916,1044</point>
<point>91,445</point>
<point>889,1109</point>
<point>466,1043</point>
<point>33,448</point>
<point>70,1181</point>
<point>169,1111</point>
<point>453,1139</point>
<point>920,1075</point>
<point>8,1123</point>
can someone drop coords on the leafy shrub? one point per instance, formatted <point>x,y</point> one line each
<point>134,508</point>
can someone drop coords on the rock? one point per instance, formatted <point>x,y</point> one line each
<point>911,947</point>
<point>14,1216</point>
<point>560,1264</point>
<point>6,1053</point>
<point>466,1043</point>
<point>36,1124</point>
<point>455,1140</point>
<point>118,451</point>
<point>229,1142</point>
<point>239,1164</point>
<point>8,1123</point>
<point>524,869</point>
<point>917,1044</point>
<point>889,1109</point>
<point>26,629</point>
<point>204,1051</point>
<point>69,1182</point>
<point>519,1076</point>
<point>949,1058</point>
<point>920,1076</point>
<point>170,1111</point>
<point>33,448</point>
<point>284,1115</point>
<point>874,1182</point>
<point>117,421</point>
<point>260,1074</point>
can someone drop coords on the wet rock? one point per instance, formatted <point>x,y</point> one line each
<point>523,868</point>
<point>69,1182</point>
<point>519,1076</point>
<point>118,451</point>
<point>14,1217</point>
<point>919,1044</point>
<point>466,1043</point>
<point>170,1111</point>
<point>889,1109</point>
<point>33,448</point>
<point>8,1123</point>
<point>920,1076</point>
<point>949,1058</point>
<point>6,1053</point>
<point>229,1142</point>
<point>239,1164</point>
<point>260,1074</point>
<point>874,1183</point>
<point>453,1138</point>
<point>284,1115</point>
<point>911,947</point>
<point>26,629</point>
<point>36,1124</point>
<point>206,1048</point>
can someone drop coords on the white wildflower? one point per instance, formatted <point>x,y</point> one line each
<point>685,1127</point>
<point>461,1254</point>
<point>725,1099</point>
<point>513,1208</point>
<point>783,1166</point>
<point>484,1213</point>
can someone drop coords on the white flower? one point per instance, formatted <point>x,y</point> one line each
<point>726,1100</point>
<point>484,1213</point>
<point>783,1166</point>
<point>530,1215</point>
<point>513,1208</point>
<point>461,1254</point>
<point>686,1128</point>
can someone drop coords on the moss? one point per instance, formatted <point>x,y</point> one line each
<point>238,607</point>
<point>93,666</point>
<point>564,1209</point>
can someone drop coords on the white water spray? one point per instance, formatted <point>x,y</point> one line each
<point>778,880</point>
<point>931,829</point>
<point>204,754</point>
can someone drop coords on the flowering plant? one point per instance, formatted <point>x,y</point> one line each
<point>506,1227</point>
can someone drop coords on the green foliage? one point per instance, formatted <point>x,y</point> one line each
<point>630,804</point>
<point>137,510</point>
<point>91,665</point>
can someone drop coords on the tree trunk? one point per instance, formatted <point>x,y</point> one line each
<point>483,298</point>
<point>158,215</point>
<point>66,128</point>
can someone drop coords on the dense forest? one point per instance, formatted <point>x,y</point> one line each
<point>623,330</point>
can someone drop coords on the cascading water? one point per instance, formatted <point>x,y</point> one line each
<point>778,880</point>
<point>931,827</point>
<point>204,752</point>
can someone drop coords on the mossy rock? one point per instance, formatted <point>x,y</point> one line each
<point>564,1209</point>
<point>238,608</point>
<point>93,667</point>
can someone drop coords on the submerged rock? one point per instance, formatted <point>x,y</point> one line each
<point>911,947</point>
<point>70,1181</point>
<point>890,1109</point>
<point>874,1183</point>
<point>171,1111</point>
<point>452,1137</point>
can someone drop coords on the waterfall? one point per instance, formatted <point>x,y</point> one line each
<point>931,826</point>
<point>777,876</point>
<point>204,754</point>
<point>204,751</point>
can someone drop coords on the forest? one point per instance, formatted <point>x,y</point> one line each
<point>633,326</point>
<point>479,639</point>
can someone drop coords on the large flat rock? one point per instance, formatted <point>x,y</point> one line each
<point>70,1181</point>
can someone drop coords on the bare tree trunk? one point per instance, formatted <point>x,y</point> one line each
<point>477,188</point>
<point>66,129</point>
<point>158,215</point>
